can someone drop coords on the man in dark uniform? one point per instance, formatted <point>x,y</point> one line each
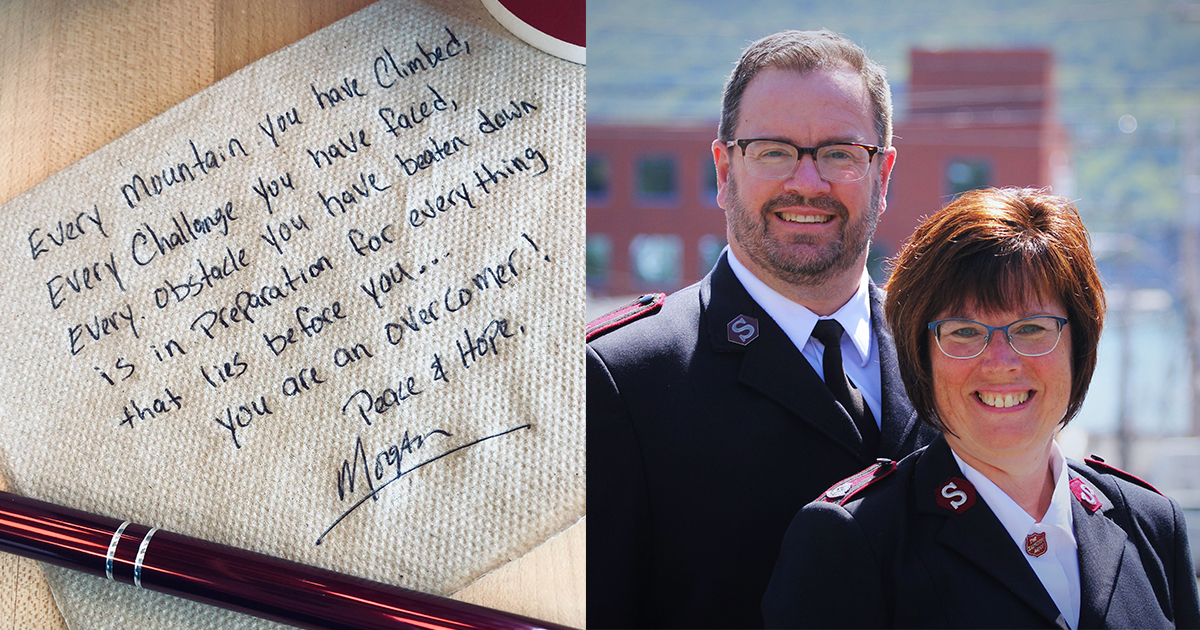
<point>710,421</point>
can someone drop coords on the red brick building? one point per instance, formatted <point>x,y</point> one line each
<point>973,119</point>
<point>652,217</point>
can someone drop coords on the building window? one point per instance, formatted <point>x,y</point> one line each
<point>657,260</point>
<point>598,179</point>
<point>964,175</point>
<point>657,181</point>
<point>599,258</point>
<point>708,181</point>
<point>710,250</point>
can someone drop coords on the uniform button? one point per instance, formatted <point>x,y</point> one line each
<point>839,490</point>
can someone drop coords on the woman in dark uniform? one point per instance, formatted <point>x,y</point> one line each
<point>997,308</point>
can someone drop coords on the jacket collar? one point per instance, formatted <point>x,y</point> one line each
<point>899,417</point>
<point>973,533</point>
<point>773,366</point>
<point>1102,546</point>
<point>972,530</point>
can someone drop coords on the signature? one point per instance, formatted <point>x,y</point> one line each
<point>390,461</point>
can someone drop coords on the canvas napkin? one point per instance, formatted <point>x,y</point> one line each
<point>334,298</point>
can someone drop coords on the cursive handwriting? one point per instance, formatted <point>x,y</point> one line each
<point>391,456</point>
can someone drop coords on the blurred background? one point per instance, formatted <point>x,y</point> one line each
<point>1099,101</point>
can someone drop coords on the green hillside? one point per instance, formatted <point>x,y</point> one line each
<point>664,61</point>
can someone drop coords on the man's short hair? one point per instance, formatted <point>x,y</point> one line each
<point>804,52</point>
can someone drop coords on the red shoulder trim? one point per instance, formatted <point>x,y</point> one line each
<point>647,304</point>
<point>845,489</point>
<point>1096,463</point>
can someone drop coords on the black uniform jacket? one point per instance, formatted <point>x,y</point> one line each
<point>700,452</point>
<point>892,556</point>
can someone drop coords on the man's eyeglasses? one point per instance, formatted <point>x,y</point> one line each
<point>778,159</point>
<point>966,339</point>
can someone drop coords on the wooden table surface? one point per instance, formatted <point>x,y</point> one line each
<point>75,75</point>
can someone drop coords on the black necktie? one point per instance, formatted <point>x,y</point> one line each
<point>829,333</point>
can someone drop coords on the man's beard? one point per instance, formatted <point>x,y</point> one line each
<point>812,265</point>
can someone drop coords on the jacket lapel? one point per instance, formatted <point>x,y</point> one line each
<point>975,533</point>
<point>899,417</point>
<point>1101,550</point>
<point>771,364</point>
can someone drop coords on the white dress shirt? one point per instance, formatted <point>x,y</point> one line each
<point>860,352</point>
<point>1058,567</point>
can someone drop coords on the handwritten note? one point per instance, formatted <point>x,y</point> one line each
<point>327,309</point>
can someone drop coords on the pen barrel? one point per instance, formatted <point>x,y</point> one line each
<point>228,577</point>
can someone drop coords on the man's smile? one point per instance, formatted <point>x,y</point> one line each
<point>804,218</point>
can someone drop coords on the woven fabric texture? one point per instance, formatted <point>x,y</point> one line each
<point>326,309</point>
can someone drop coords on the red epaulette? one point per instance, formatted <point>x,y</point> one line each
<point>845,489</point>
<point>1097,464</point>
<point>647,304</point>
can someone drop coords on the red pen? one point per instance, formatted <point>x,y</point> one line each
<point>236,579</point>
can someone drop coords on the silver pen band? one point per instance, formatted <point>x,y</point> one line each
<point>141,555</point>
<point>112,550</point>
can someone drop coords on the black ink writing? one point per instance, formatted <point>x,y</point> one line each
<point>276,236</point>
<point>245,302</point>
<point>417,113</point>
<point>279,124</point>
<point>210,274</point>
<point>171,347</point>
<point>482,345</point>
<point>305,380</point>
<point>437,206</point>
<point>134,411</point>
<point>427,158</point>
<point>180,173</point>
<point>379,404</point>
<point>351,195</point>
<point>66,232</point>
<point>453,300</point>
<point>545,257</point>
<point>388,71</point>
<point>83,279</point>
<point>272,189</point>
<point>392,276</point>
<point>120,364</point>
<point>312,323</point>
<point>338,93</point>
<point>186,231</point>
<point>497,121</point>
<point>362,244</point>
<point>241,417</point>
<point>345,356</point>
<point>349,470</point>
<point>533,163</point>
<point>217,375</point>
<point>439,373</point>
<point>100,327</point>
<point>388,463</point>
<point>340,149</point>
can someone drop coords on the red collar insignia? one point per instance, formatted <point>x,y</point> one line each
<point>1035,544</point>
<point>1086,494</point>
<point>956,495</point>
